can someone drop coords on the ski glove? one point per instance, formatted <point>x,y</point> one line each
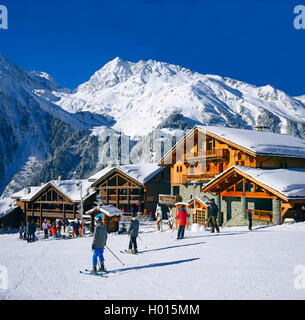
<point>93,247</point>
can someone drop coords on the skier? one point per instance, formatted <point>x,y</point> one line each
<point>54,231</point>
<point>182,216</point>
<point>45,226</point>
<point>249,213</point>
<point>67,229</point>
<point>98,244</point>
<point>75,228</point>
<point>31,231</point>
<point>21,231</point>
<point>133,233</point>
<point>159,218</point>
<point>213,210</point>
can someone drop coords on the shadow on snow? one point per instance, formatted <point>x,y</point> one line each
<point>153,265</point>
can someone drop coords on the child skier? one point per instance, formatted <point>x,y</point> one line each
<point>133,233</point>
<point>98,244</point>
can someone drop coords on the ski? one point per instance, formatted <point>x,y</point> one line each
<point>98,274</point>
<point>127,252</point>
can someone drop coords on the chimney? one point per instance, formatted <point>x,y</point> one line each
<point>27,190</point>
<point>262,128</point>
<point>59,178</point>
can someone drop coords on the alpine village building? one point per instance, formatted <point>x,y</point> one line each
<point>131,188</point>
<point>241,169</point>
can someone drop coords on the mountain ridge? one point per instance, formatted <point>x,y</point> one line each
<point>47,130</point>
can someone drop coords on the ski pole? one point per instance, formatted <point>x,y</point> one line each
<point>143,242</point>
<point>116,256</point>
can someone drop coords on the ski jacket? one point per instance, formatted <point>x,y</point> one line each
<point>45,226</point>
<point>182,215</point>
<point>134,227</point>
<point>100,236</point>
<point>213,210</point>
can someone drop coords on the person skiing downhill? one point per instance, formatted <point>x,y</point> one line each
<point>98,244</point>
<point>182,216</point>
<point>133,233</point>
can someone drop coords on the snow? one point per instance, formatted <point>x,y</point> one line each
<point>139,96</point>
<point>141,172</point>
<point>289,182</point>
<point>6,206</point>
<point>109,210</point>
<point>234,264</point>
<point>69,187</point>
<point>262,143</point>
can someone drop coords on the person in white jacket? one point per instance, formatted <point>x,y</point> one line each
<point>45,226</point>
<point>159,217</point>
<point>170,219</point>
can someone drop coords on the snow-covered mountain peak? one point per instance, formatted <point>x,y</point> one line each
<point>142,95</point>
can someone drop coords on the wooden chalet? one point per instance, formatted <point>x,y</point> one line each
<point>55,200</point>
<point>280,192</point>
<point>134,187</point>
<point>205,152</point>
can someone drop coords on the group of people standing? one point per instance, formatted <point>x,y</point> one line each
<point>61,228</point>
<point>28,232</point>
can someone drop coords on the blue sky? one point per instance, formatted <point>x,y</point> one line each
<point>252,41</point>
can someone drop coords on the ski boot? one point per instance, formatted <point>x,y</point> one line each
<point>93,271</point>
<point>101,268</point>
<point>135,251</point>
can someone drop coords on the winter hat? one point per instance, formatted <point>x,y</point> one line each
<point>99,217</point>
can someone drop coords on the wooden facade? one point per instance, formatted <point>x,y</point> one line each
<point>51,203</point>
<point>201,155</point>
<point>237,184</point>
<point>128,194</point>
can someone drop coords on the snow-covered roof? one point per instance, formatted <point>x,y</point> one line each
<point>262,143</point>
<point>288,182</point>
<point>6,206</point>
<point>100,174</point>
<point>140,172</point>
<point>203,201</point>
<point>109,210</point>
<point>68,187</point>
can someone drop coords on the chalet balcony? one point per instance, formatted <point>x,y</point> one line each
<point>112,199</point>
<point>217,154</point>
<point>188,178</point>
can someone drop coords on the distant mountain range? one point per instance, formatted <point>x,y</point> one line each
<point>47,131</point>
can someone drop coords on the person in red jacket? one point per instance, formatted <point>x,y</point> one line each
<point>182,217</point>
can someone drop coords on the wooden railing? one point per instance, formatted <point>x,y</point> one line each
<point>199,177</point>
<point>262,215</point>
<point>123,197</point>
<point>209,154</point>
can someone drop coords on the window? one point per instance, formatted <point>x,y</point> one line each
<point>176,190</point>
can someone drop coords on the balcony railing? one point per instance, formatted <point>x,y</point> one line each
<point>199,177</point>
<point>209,154</point>
<point>262,215</point>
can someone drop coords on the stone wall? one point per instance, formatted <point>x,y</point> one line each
<point>233,209</point>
